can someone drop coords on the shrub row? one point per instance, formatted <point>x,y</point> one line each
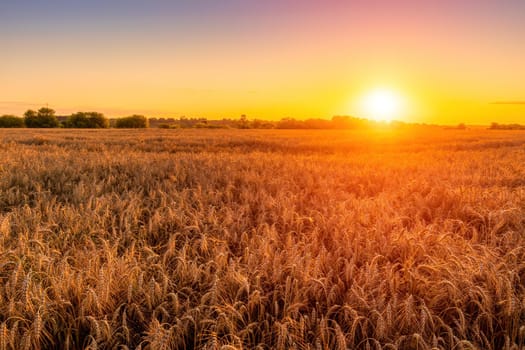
<point>46,118</point>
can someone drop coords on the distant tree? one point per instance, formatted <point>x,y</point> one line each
<point>132,122</point>
<point>43,118</point>
<point>289,123</point>
<point>348,122</point>
<point>497,126</point>
<point>166,126</point>
<point>11,121</point>
<point>30,118</point>
<point>243,122</point>
<point>318,124</point>
<point>261,124</point>
<point>87,120</point>
<point>185,122</point>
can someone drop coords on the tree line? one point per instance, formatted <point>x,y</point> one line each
<point>46,118</point>
<point>497,126</point>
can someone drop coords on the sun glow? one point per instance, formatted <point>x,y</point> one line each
<point>381,105</point>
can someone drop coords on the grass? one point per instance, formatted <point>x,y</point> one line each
<point>220,239</point>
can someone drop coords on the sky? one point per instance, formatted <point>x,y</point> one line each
<point>448,61</point>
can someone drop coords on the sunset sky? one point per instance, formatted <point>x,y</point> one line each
<point>449,61</point>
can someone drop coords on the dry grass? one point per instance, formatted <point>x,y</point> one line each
<point>167,239</point>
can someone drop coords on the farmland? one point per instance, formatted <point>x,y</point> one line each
<point>268,239</point>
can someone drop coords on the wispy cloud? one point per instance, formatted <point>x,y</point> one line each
<point>20,103</point>
<point>508,103</point>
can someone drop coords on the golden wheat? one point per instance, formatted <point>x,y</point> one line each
<point>244,239</point>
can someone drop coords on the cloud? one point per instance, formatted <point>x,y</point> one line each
<point>508,103</point>
<point>19,103</point>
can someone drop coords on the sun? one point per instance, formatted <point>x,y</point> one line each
<point>382,105</point>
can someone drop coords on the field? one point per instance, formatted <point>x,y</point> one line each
<point>245,239</point>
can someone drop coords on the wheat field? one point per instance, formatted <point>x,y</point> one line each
<point>246,239</point>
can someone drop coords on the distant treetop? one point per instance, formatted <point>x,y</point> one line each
<point>11,121</point>
<point>43,118</point>
<point>134,122</point>
<point>84,120</point>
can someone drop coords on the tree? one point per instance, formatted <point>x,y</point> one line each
<point>44,118</point>
<point>134,121</point>
<point>243,122</point>
<point>84,120</point>
<point>11,121</point>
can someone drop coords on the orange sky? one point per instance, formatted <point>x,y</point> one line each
<point>449,61</point>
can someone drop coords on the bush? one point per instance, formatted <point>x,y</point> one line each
<point>11,121</point>
<point>134,121</point>
<point>87,120</point>
<point>208,126</point>
<point>44,118</point>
